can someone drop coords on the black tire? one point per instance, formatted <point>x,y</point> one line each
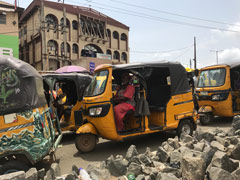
<point>13,166</point>
<point>206,118</point>
<point>85,142</point>
<point>185,126</point>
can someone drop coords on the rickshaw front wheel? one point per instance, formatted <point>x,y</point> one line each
<point>206,118</point>
<point>85,142</point>
<point>185,126</point>
<point>13,166</point>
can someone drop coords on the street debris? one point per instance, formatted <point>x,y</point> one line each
<point>205,156</point>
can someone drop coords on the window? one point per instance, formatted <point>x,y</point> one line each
<point>123,37</point>
<point>116,55</point>
<point>109,33</point>
<point>124,56</point>
<point>212,78</point>
<point>2,18</point>
<point>51,19</point>
<point>109,52</point>
<point>53,46</point>
<point>75,48</point>
<point>115,35</point>
<point>62,47</point>
<point>67,22</point>
<point>75,25</point>
<point>98,83</point>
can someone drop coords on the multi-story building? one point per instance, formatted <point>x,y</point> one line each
<point>87,37</point>
<point>9,16</point>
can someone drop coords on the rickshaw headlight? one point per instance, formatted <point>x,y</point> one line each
<point>219,97</point>
<point>95,111</point>
<point>215,97</point>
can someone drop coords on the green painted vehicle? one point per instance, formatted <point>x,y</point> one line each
<point>28,127</point>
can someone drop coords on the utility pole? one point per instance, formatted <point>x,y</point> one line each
<point>43,35</point>
<point>195,54</point>
<point>216,51</point>
<point>190,64</point>
<point>64,34</point>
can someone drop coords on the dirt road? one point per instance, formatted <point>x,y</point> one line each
<point>68,155</point>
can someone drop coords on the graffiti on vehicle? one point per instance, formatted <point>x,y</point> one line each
<point>8,80</point>
<point>36,143</point>
<point>26,114</point>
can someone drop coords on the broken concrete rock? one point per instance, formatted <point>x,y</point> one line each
<point>235,154</point>
<point>216,173</point>
<point>118,166</point>
<point>31,174</point>
<point>236,173</point>
<point>193,166</point>
<point>218,146</point>
<point>99,169</point>
<point>166,176</point>
<point>134,168</point>
<point>173,142</point>
<point>236,122</point>
<point>175,156</point>
<point>162,154</point>
<point>199,146</point>
<point>185,138</point>
<point>131,152</point>
<point>20,175</point>
<point>221,160</point>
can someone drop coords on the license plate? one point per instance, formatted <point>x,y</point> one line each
<point>203,93</point>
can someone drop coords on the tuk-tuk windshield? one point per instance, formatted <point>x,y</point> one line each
<point>212,78</point>
<point>98,83</point>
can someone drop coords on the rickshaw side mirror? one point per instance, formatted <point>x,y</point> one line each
<point>196,72</point>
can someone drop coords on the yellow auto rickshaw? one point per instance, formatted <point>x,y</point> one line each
<point>27,132</point>
<point>68,107</point>
<point>218,91</point>
<point>163,102</point>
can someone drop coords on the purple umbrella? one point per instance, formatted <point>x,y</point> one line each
<point>69,69</point>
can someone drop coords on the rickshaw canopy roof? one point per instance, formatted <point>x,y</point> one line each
<point>81,80</point>
<point>178,73</point>
<point>23,69</point>
<point>230,64</point>
<point>21,86</point>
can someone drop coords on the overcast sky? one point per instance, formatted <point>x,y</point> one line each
<point>165,29</point>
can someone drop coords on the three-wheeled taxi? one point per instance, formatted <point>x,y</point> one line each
<point>27,132</point>
<point>163,102</point>
<point>73,85</point>
<point>218,91</point>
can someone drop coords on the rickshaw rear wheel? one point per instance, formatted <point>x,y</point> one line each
<point>206,118</point>
<point>13,166</point>
<point>185,126</point>
<point>85,142</point>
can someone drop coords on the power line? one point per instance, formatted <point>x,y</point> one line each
<point>175,14</point>
<point>167,20</point>
<point>142,15</point>
<point>182,54</point>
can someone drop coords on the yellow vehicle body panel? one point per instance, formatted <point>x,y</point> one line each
<point>219,108</point>
<point>179,107</point>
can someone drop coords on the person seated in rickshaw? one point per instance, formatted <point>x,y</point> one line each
<point>61,100</point>
<point>125,99</point>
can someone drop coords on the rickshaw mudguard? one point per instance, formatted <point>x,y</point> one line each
<point>205,109</point>
<point>87,128</point>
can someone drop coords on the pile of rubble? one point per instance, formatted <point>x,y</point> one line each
<point>205,156</point>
